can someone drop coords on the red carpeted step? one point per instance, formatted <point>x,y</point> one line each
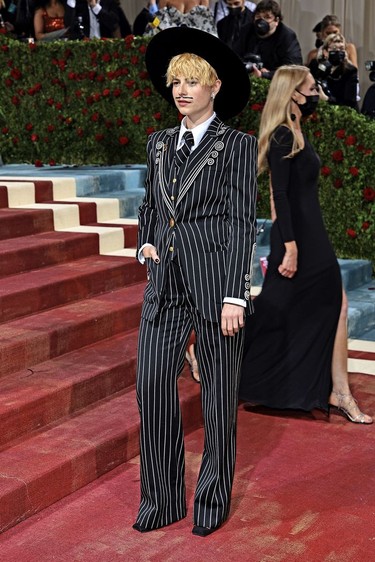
<point>50,465</point>
<point>42,289</point>
<point>54,389</point>
<point>27,341</point>
<point>24,222</point>
<point>40,250</point>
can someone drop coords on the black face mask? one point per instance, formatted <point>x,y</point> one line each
<point>310,104</point>
<point>235,12</point>
<point>262,27</point>
<point>336,57</point>
<point>318,43</point>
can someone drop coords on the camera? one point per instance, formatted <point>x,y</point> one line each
<point>252,60</point>
<point>324,69</point>
<point>370,66</point>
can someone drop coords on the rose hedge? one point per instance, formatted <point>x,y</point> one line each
<point>91,102</point>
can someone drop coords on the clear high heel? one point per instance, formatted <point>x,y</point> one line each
<point>193,364</point>
<point>346,402</point>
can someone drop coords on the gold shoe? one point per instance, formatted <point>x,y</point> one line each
<point>345,406</point>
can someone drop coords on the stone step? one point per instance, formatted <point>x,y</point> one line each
<point>53,286</point>
<point>65,385</point>
<point>33,339</point>
<point>129,200</point>
<point>54,462</point>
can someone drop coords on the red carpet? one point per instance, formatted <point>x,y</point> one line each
<point>304,491</point>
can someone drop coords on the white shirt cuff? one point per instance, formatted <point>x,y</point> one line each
<point>140,256</point>
<point>232,300</point>
<point>71,3</point>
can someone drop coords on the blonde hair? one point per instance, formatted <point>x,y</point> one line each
<point>278,109</point>
<point>191,66</point>
<point>333,38</point>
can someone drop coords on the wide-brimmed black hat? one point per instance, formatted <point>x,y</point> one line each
<point>235,88</point>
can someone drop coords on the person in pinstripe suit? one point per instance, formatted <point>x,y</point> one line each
<point>197,232</point>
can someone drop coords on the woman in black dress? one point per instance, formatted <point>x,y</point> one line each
<point>296,342</point>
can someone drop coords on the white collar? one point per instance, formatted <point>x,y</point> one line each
<point>197,131</point>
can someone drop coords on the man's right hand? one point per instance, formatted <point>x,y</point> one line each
<point>150,252</point>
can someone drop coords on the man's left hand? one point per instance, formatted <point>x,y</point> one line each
<point>232,319</point>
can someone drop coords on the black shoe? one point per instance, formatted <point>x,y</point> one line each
<point>137,527</point>
<point>204,531</point>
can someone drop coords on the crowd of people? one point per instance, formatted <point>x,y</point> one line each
<point>254,31</point>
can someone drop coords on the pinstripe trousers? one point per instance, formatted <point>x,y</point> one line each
<point>161,352</point>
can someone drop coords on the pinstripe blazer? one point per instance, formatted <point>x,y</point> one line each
<point>207,223</point>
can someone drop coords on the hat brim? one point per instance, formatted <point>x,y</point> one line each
<point>235,88</point>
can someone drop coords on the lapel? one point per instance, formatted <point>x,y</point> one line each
<point>206,153</point>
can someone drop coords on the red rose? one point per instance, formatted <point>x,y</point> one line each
<point>136,119</point>
<point>29,126</point>
<point>119,122</point>
<point>351,233</point>
<point>325,171</point>
<point>256,107</point>
<point>8,82</point>
<point>146,91</point>
<point>72,76</point>
<point>78,93</point>
<point>106,57</point>
<point>338,156</point>
<point>38,163</point>
<point>137,93</point>
<point>89,100</point>
<point>368,151</point>
<point>353,171</point>
<point>157,116</point>
<point>99,137</point>
<point>58,105</point>
<point>150,130</point>
<point>318,134</point>
<point>369,194</point>
<point>50,101</point>
<point>365,225</point>
<point>134,60</point>
<point>117,92</point>
<point>51,128</point>
<point>100,78</point>
<point>52,163</point>
<point>341,134</point>
<point>130,84</point>
<point>4,48</point>
<point>106,92</point>
<point>5,130</point>
<point>15,140</point>
<point>15,100</point>
<point>350,140</point>
<point>95,117</point>
<point>92,75</point>
<point>338,183</point>
<point>15,73</point>
<point>80,132</point>
<point>123,140</point>
<point>143,74</point>
<point>142,49</point>
<point>97,96</point>
<point>34,137</point>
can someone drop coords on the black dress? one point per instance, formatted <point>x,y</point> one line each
<point>289,340</point>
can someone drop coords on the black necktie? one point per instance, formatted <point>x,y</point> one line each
<point>183,152</point>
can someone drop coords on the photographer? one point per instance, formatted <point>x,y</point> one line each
<point>232,27</point>
<point>270,39</point>
<point>99,17</point>
<point>334,71</point>
<point>368,106</point>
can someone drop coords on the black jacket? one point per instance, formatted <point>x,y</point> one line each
<point>282,47</point>
<point>341,85</point>
<point>230,29</point>
<point>108,17</point>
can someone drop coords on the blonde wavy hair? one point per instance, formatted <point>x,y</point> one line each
<point>278,109</point>
<point>191,66</point>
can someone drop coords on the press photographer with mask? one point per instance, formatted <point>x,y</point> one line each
<point>270,39</point>
<point>335,72</point>
<point>237,23</point>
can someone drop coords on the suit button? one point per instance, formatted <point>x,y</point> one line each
<point>171,248</point>
<point>172,197</point>
<point>171,223</point>
<point>174,180</point>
